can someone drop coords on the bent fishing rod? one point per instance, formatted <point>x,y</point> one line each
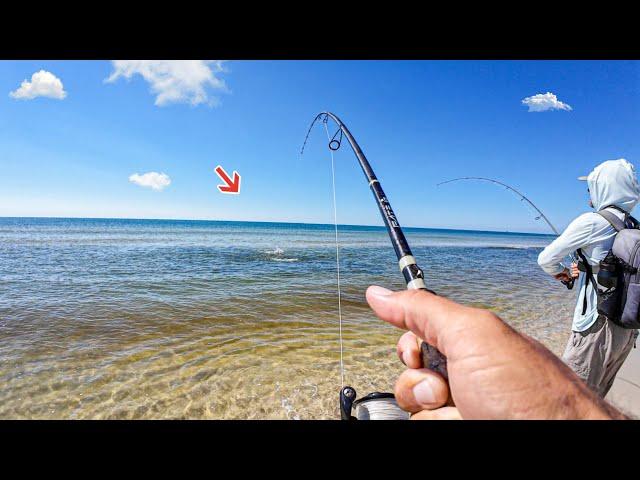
<point>412,273</point>
<point>569,283</point>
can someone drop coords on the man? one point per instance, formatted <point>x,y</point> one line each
<point>597,347</point>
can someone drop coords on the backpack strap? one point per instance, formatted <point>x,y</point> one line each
<point>629,220</point>
<point>613,219</point>
<point>590,277</point>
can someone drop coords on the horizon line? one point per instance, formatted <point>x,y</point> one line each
<point>279,221</point>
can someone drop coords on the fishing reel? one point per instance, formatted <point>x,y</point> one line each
<point>383,406</point>
<point>375,406</point>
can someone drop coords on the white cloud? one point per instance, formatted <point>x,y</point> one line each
<point>175,81</point>
<point>156,181</point>
<point>42,84</point>
<point>545,101</point>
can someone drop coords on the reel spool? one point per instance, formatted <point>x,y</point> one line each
<point>375,406</point>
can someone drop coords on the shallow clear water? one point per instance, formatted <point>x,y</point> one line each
<point>188,319</point>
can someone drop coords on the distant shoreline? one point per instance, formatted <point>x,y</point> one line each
<point>365,227</point>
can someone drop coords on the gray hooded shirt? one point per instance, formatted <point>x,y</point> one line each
<point>612,182</point>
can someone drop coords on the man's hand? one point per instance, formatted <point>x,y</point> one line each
<point>575,273</point>
<point>494,371</point>
<point>563,276</point>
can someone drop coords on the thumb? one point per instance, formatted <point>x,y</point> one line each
<point>436,320</point>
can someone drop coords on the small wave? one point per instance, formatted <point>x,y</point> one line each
<point>276,255</point>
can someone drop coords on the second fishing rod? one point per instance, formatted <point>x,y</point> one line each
<point>567,283</point>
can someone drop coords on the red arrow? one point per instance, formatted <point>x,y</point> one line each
<point>231,186</point>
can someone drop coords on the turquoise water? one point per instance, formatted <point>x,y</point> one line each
<point>196,319</point>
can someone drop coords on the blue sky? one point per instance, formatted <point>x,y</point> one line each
<point>418,122</point>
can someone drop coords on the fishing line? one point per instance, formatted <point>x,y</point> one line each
<point>335,224</point>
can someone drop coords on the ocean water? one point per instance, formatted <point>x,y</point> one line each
<point>197,319</point>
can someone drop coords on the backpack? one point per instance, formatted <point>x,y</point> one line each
<point>619,273</point>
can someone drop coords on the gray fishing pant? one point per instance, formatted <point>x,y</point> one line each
<point>597,354</point>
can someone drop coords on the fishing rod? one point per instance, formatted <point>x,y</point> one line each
<point>569,283</point>
<point>412,273</point>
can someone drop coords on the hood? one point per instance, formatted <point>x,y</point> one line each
<point>614,182</point>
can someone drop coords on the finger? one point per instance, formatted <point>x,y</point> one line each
<point>420,389</point>
<point>435,319</point>
<point>444,413</point>
<point>409,350</point>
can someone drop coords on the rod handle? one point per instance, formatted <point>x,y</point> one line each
<point>434,360</point>
<point>431,356</point>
